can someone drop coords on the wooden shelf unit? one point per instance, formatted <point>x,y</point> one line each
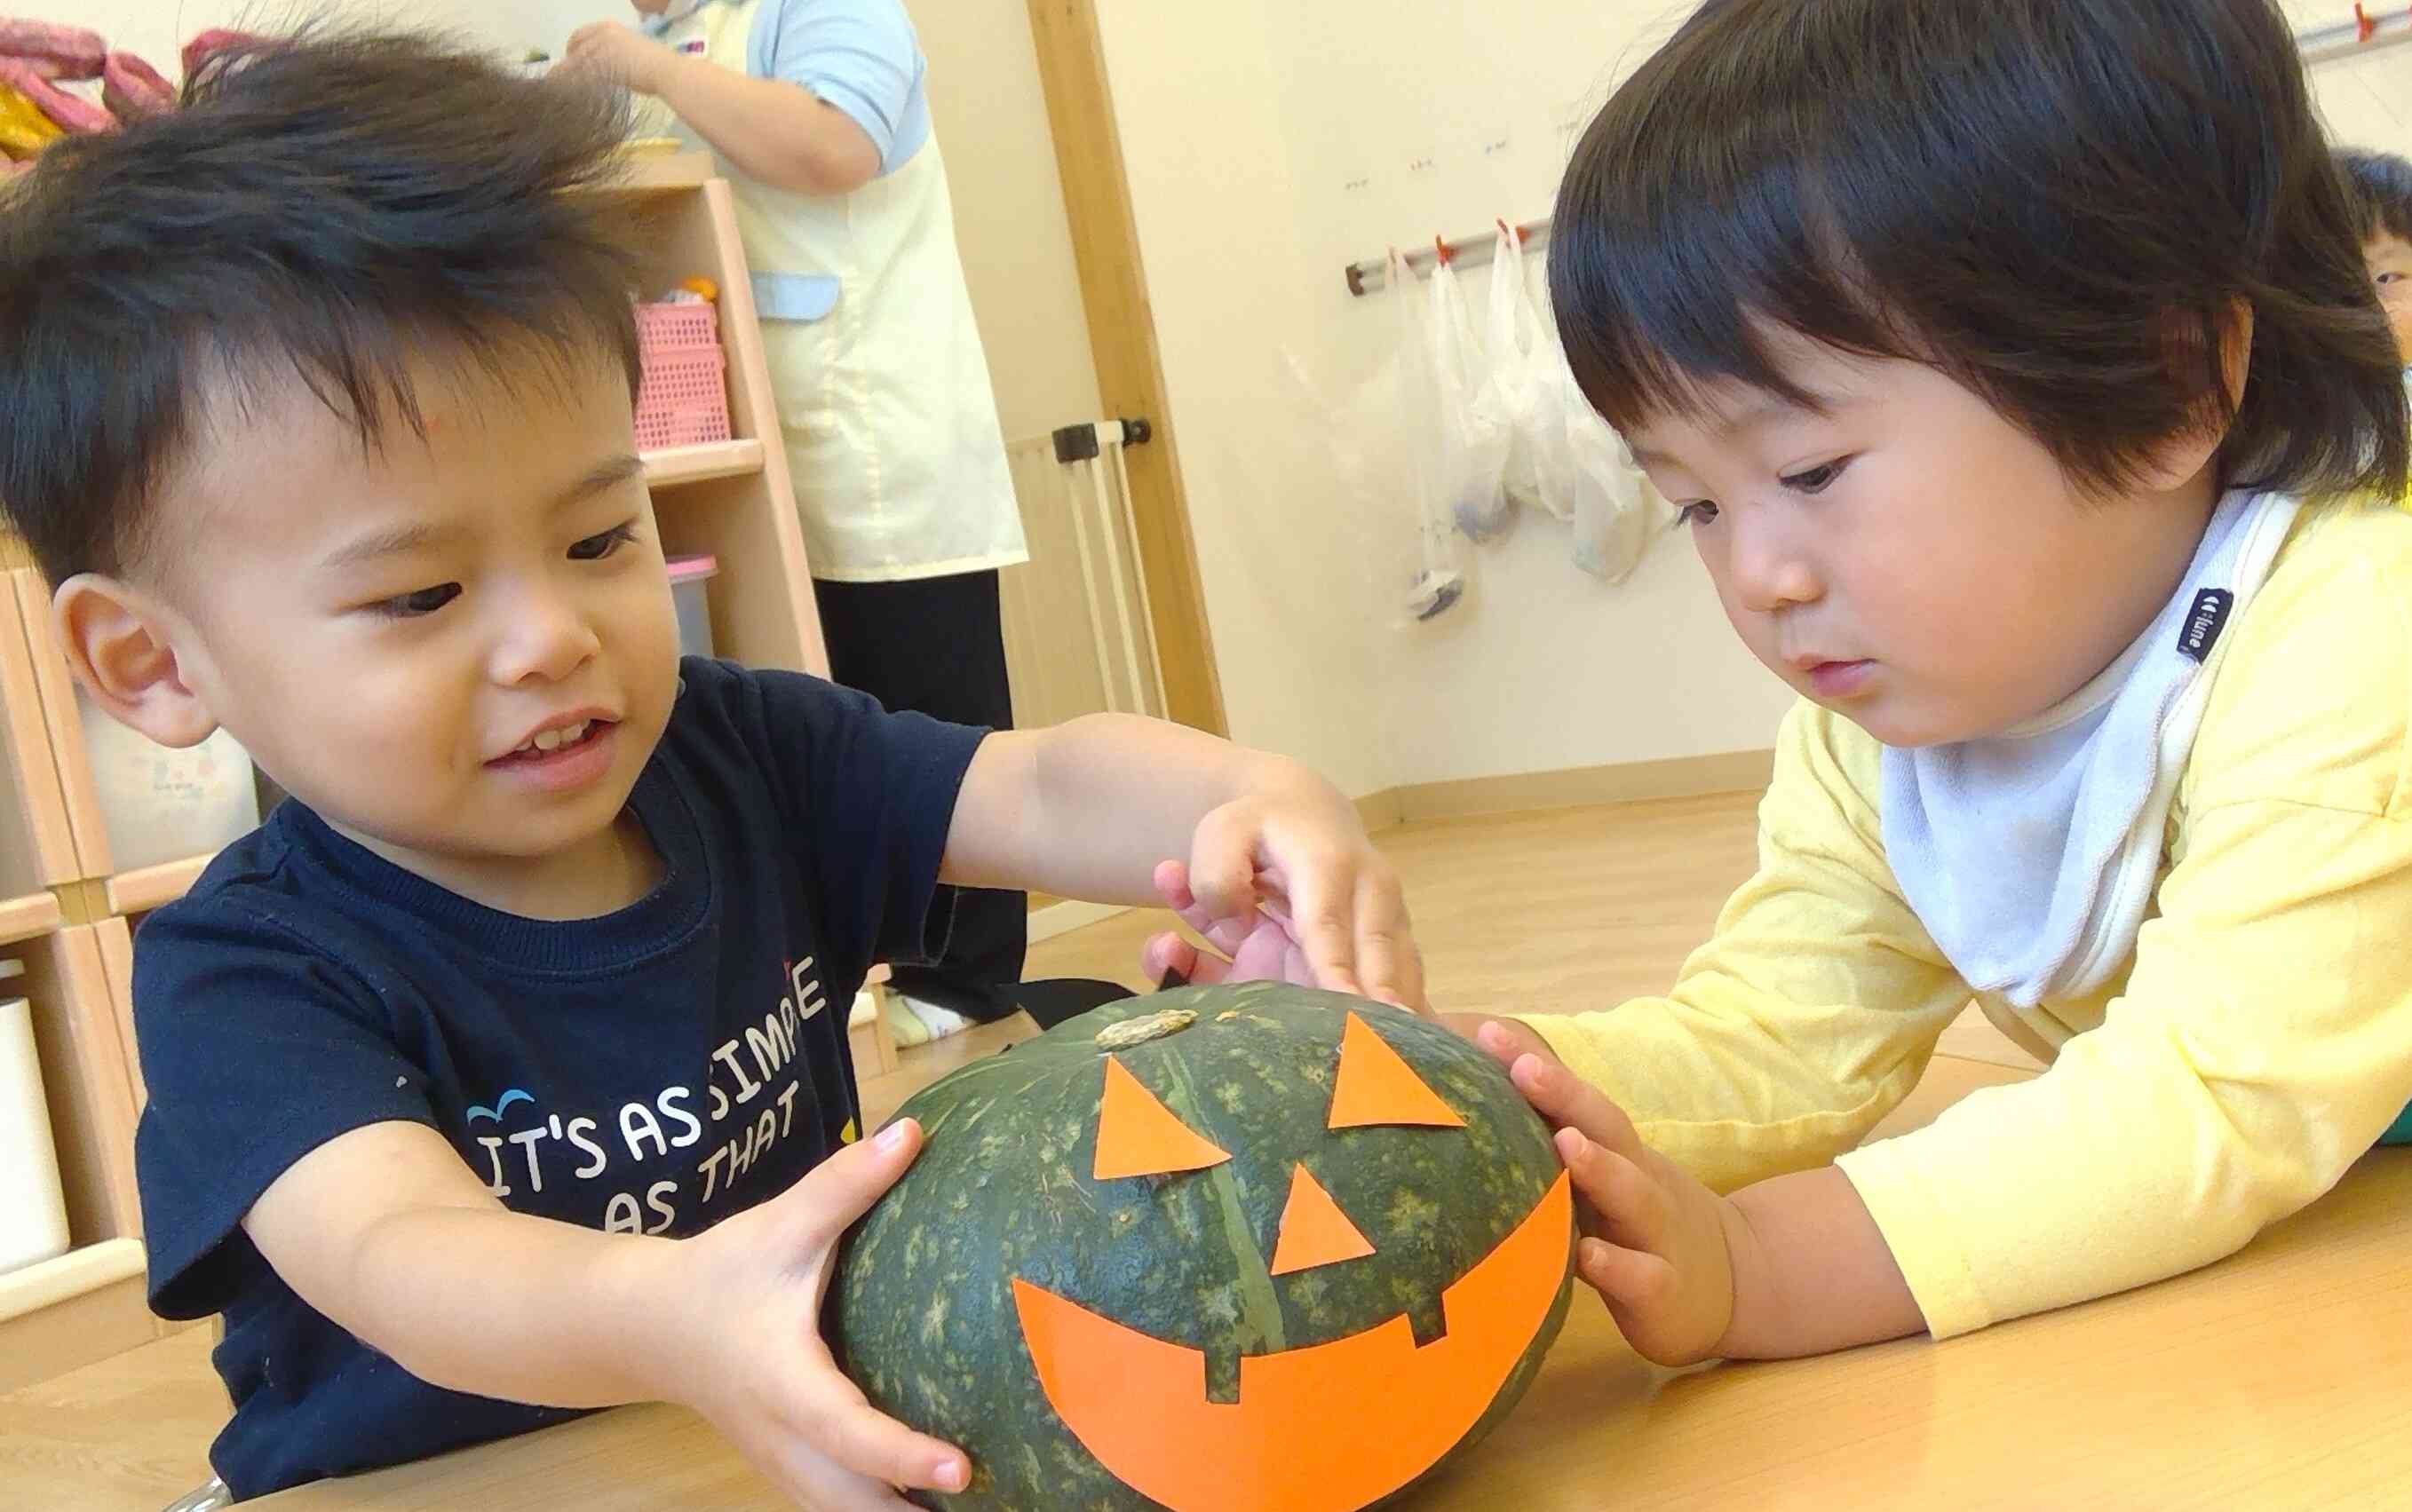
<point>35,829</point>
<point>87,1303</point>
<point>702,464</point>
<point>136,892</point>
<point>762,607</point>
<point>73,922</point>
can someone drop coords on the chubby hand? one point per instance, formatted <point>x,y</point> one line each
<point>620,53</point>
<point>759,1370</point>
<point>1658,1245</point>
<point>1289,887</point>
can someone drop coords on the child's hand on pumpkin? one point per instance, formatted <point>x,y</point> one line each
<point>1260,946</point>
<point>1290,888</point>
<point>1658,1245</point>
<point>751,1289</point>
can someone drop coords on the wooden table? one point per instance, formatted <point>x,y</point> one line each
<point>2280,1379</point>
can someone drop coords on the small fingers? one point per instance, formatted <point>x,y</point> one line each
<point>1633,1282</point>
<point>1322,906</point>
<point>1568,1101</point>
<point>1222,869</point>
<point>1505,1042</point>
<point>1168,953</point>
<point>1224,933</point>
<point>1632,1209</point>
<point>1388,962</point>
<point>840,1424</point>
<point>844,1187</point>
<point>1171,879</point>
<point>1267,954</point>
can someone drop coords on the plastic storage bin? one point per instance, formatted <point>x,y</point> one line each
<point>682,397</point>
<point>161,804</point>
<point>688,575</point>
<point>33,1208</point>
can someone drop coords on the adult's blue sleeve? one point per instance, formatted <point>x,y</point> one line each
<point>860,55</point>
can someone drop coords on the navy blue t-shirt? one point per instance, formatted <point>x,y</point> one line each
<point>652,1071</point>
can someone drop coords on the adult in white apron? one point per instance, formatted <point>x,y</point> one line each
<point>816,112</point>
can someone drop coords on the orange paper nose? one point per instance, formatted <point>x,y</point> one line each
<point>1314,1230</point>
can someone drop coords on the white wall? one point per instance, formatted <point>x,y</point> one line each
<point>1221,206</point>
<point>1268,144</point>
<point>989,114</point>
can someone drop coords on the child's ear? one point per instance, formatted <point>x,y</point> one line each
<point>2177,461</point>
<point>121,645</point>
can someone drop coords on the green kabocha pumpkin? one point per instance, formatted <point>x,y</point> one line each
<point>1225,1249</point>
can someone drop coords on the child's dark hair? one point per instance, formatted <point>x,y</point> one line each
<point>2382,191</point>
<point>2059,203</point>
<point>336,207</point>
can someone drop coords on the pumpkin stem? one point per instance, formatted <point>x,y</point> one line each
<point>1145,1027</point>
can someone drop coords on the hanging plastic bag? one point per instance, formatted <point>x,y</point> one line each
<point>1386,438</point>
<point>1614,505</point>
<point>1544,437</point>
<point>1516,348</point>
<point>1474,435</point>
<point>1588,475</point>
<point>1381,435</point>
<point>1437,450</point>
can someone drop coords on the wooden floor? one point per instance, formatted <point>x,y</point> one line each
<point>1545,912</point>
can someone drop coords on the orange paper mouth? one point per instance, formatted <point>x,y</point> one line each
<point>1323,1428</point>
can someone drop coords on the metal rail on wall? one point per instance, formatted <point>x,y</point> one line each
<point>2348,39</point>
<point>2364,32</point>
<point>1468,252</point>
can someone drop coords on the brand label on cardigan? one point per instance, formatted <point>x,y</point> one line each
<point>2204,621</point>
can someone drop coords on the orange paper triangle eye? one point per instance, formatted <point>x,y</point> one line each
<point>1314,1230</point>
<point>1138,1136</point>
<point>1376,1086</point>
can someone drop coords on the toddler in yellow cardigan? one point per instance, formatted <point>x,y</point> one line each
<point>2016,373</point>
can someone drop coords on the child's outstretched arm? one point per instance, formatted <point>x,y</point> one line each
<point>2259,1044</point>
<point>1093,808</point>
<point>384,1231</point>
<point>1807,1016</point>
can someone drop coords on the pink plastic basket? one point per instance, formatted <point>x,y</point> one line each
<point>683,400</point>
<point>683,324</point>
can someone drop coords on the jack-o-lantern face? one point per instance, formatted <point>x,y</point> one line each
<point>1283,1276</point>
<point>1296,1439</point>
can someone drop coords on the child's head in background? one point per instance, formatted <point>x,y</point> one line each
<point>314,402</point>
<point>2382,182</point>
<point>1947,325</point>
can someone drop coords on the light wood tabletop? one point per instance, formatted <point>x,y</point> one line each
<point>2279,1379</point>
